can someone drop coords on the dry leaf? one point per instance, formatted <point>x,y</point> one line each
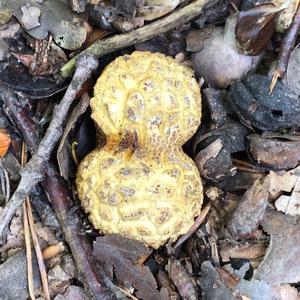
<point>30,17</point>
<point>4,141</point>
<point>213,286</point>
<point>229,279</point>
<point>182,280</point>
<point>122,253</point>
<point>210,151</point>
<point>37,64</point>
<point>56,17</point>
<point>281,263</point>
<point>283,181</point>
<point>245,219</point>
<point>255,27</point>
<point>248,250</point>
<point>166,286</point>
<point>278,151</point>
<point>290,204</point>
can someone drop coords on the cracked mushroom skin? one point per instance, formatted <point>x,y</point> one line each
<point>141,184</point>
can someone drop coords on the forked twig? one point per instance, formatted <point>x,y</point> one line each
<point>33,171</point>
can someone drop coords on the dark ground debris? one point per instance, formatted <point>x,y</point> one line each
<point>245,54</point>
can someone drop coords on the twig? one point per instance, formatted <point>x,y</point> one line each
<point>120,41</point>
<point>29,229</point>
<point>246,166</point>
<point>32,172</point>
<point>89,272</point>
<point>195,226</point>
<point>38,251</point>
<point>121,294</point>
<point>87,266</point>
<point>286,49</point>
<point>27,238</point>
<point>28,254</point>
<point>5,182</point>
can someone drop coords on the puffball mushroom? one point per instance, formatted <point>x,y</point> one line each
<point>141,184</point>
<point>216,57</point>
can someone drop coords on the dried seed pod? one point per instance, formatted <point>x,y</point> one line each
<point>4,141</point>
<point>214,160</point>
<point>254,105</point>
<point>277,151</point>
<point>141,184</point>
<point>255,27</point>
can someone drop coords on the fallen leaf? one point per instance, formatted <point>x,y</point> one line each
<point>244,250</point>
<point>229,279</point>
<point>38,65</point>
<point>124,255</point>
<point>58,279</point>
<point>56,17</point>
<point>255,27</point>
<point>282,261</point>
<point>245,219</point>
<point>290,204</point>
<point>30,17</point>
<point>278,151</point>
<point>182,280</point>
<point>4,141</point>
<point>283,181</point>
<point>213,286</point>
<point>166,285</point>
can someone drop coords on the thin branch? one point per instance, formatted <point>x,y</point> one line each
<point>30,231</point>
<point>38,251</point>
<point>89,271</point>
<point>195,226</point>
<point>28,254</point>
<point>120,41</point>
<point>32,172</point>
<point>286,49</point>
<point>27,237</point>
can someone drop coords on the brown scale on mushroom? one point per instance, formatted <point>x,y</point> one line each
<point>141,184</point>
